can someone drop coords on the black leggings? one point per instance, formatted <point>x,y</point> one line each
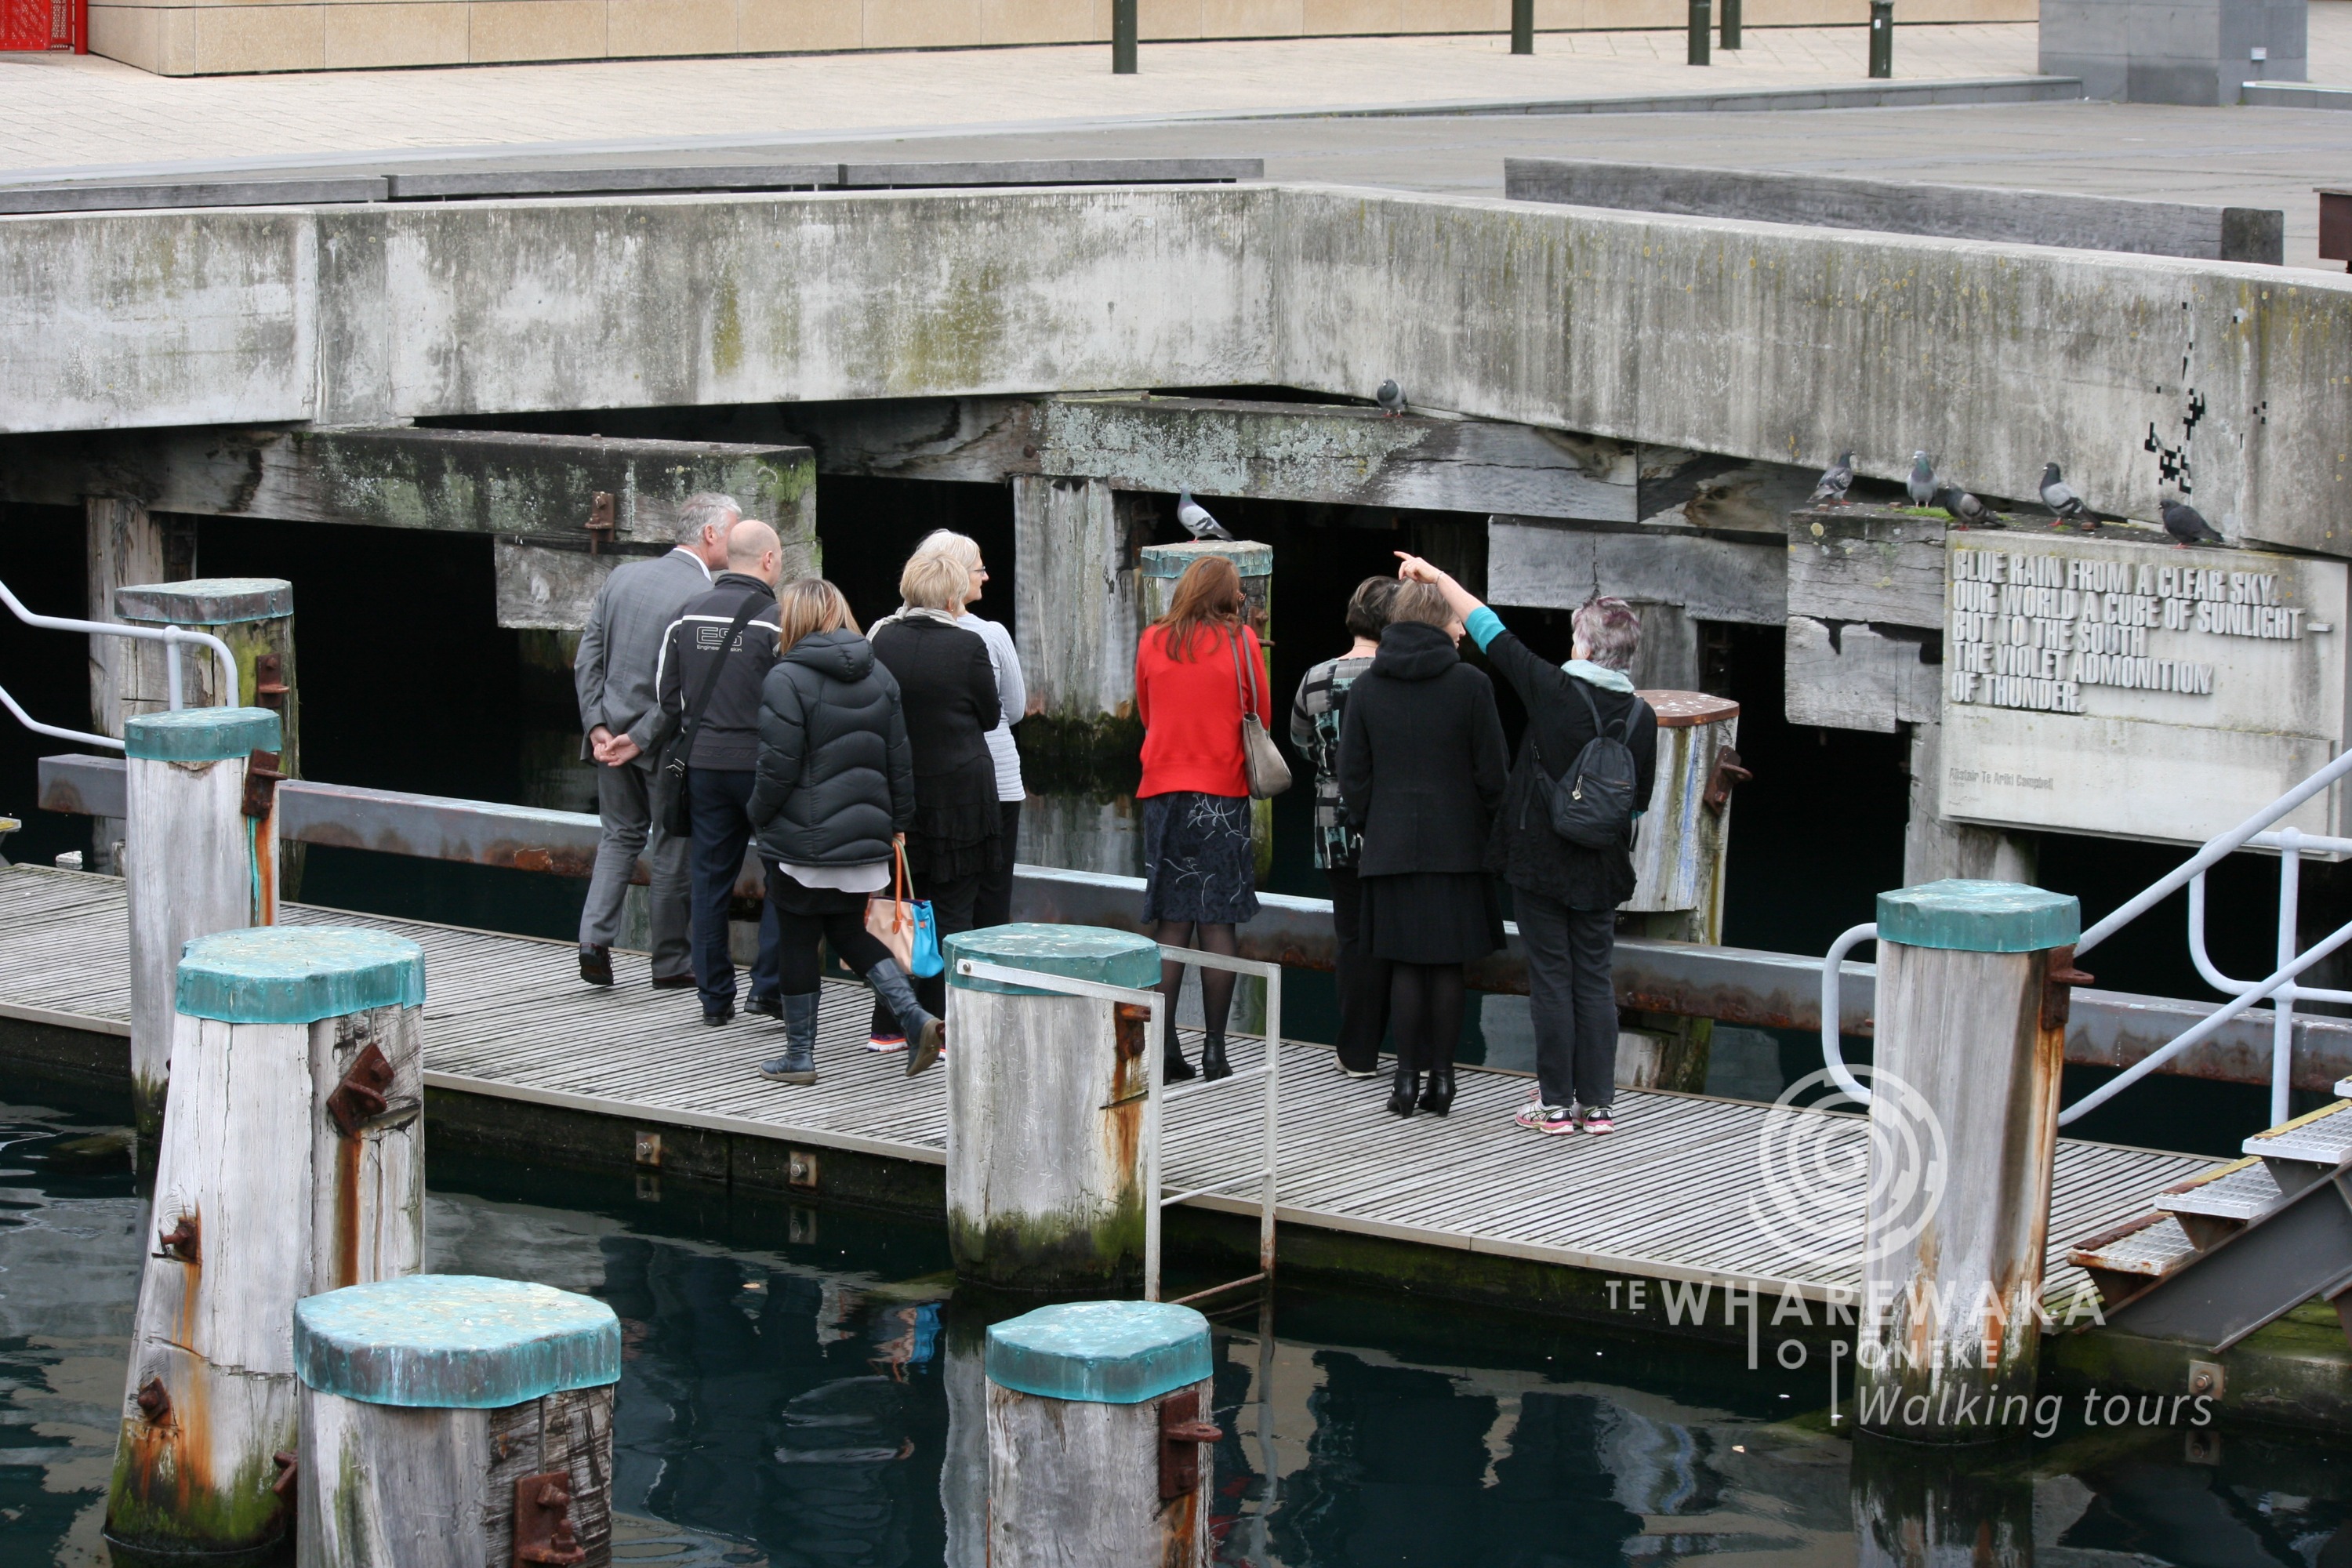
<point>1216,984</point>
<point>798,959</point>
<point>1425,1002</point>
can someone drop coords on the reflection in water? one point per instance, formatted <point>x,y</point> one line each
<point>799,1389</point>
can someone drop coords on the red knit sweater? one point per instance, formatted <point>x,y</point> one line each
<point>1191,712</point>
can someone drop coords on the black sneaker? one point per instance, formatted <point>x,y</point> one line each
<point>719,1019</point>
<point>596,965</point>
<point>767,1007</point>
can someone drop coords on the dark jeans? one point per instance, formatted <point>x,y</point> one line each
<point>952,909</point>
<point>799,964</point>
<point>1363,980</point>
<point>717,799</point>
<point>994,905</point>
<point>1571,996</point>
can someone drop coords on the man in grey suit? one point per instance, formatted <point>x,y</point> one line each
<point>620,706</point>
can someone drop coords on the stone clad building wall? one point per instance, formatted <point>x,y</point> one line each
<point>206,37</point>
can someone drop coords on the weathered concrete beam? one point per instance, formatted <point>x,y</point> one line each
<point>1883,564</point>
<point>1765,343</point>
<point>1711,579</point>
<point>1741,985</point>
<point>467,480</point>
<point>1907,206</point>
<point>1851,675</point>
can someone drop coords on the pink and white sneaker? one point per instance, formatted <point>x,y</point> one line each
<point>1597,1120</point>
<point>1549,1119</point>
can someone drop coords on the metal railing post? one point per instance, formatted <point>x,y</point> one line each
<point>2283,1000</point>
<point>1152,1123</point>
<point>1122,37</point>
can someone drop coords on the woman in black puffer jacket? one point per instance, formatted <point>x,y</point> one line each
<point>833,794</point>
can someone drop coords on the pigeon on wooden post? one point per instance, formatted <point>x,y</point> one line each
<point>1966,510</point>
<point>2187,525</point>
<point>1196,518</point>
<point>1921,485</point>
<point>1391,397</point>
<point>1836,479</point>
<point>2060,498</point>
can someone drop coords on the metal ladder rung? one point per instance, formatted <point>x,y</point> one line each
<point>1217,1187</point>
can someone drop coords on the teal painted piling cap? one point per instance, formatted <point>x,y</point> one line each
<point>206,601</point>
<point>1098,953</point>
<point>1978,917</point>
<point>1250,557</point>
<point>201,734</point>
<point>298,974</point>
<point>454,1342</point>
<point>1104,1352</point>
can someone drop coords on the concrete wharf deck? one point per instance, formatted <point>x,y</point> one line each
<point>1669,1196</point>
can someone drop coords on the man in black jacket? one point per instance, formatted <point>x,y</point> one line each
<point>1565,895</point>
<point>723,753</point>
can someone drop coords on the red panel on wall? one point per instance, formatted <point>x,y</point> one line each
<point>32,25</point>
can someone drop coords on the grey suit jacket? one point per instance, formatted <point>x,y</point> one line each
<point>620,648</point>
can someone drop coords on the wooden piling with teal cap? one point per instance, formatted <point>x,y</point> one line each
<point>293,1162</point>
<point>450,1421</point>
<point>1046,1096</point>
<point>193,863</point>
<point>1099,1436</point>
<point>1973,981</point>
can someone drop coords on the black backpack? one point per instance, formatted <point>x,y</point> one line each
<point>1592,805</point>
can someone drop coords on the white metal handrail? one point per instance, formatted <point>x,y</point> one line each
<point>1160,1094</point>
<point>170,636</point>
<point>1268,1072</point>
<point>2280,988</point>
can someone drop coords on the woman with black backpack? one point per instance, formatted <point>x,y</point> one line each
<point>1583,719</point>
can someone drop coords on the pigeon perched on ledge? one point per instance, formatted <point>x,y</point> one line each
<point>1391,397</point>
<point>1836,479</point>
<point>1921,485</point>
<point>1966,510</point>
<point>2187,526</point>
<point>2060,498</point>
<point>1196,518</point>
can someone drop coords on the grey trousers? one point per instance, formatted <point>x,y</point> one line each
<point>1571,999</point>
<point>624,809</point>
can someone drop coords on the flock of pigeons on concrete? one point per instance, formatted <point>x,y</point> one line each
<point>1926,488</point>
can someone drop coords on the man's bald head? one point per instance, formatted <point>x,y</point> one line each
<point>754,549</point>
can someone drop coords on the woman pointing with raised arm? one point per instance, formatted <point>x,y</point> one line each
<point>1565,892</point>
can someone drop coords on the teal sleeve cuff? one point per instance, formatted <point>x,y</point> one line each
<point>1483,626</point>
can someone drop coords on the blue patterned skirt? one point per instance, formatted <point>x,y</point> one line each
<point>1198,862</point>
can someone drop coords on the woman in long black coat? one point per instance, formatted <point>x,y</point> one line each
<point>1422,769</point>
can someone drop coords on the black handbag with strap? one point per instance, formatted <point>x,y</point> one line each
<point>670,811</point>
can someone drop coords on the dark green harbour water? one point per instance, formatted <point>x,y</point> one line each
<point>785,1400</point>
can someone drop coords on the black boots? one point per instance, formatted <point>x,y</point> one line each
<point>1213,1064</point>
<point>1438,1097</point>
<point>1403,1089</point>
<point>1173,1067</point>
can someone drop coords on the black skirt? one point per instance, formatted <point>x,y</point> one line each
<point>1199,864</point>
<point>957,831</point>
<point>1431,916</point>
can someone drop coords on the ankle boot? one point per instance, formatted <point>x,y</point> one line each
<point>1173,1067</point>
<point>798,1064</point>
<point>925,1034</point>
<point>1403,1089</point>
<point>1213,1064</point>
<point>1437,1099</point>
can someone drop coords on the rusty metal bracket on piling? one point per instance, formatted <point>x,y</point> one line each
<point>542,1521</point>
<point>361,1097</point>
<point>1181,1433</point>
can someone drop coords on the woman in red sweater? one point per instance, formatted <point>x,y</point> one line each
<point>1191,671</point>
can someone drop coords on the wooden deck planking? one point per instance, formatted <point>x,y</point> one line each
<point>1667,1196</point>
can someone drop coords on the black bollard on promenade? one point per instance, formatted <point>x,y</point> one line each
<point>1701,19</point>
<point>1882,39</point>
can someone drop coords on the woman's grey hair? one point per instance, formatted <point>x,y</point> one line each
<point>1421,602</point>
<point>934,580</point>
<point>960,548</point>
<point>706,509</point>
<point>1611,632</point>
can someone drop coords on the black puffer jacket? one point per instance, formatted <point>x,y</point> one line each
<point>1525,851</point>
<point>836,778</point>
